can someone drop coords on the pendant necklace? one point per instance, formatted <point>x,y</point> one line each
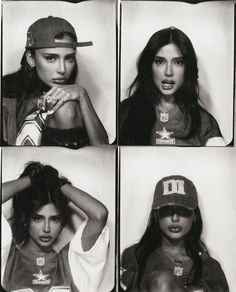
<point>178,269</point>
<point>40,261</point>
<point>164,117</point>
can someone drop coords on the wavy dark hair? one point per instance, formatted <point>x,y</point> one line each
<point>152,239</point>
<point>144,95</point>
<point>22,84</point>
<point>28,201</point>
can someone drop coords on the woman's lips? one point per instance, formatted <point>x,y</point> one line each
<point>45,238</point>
<point>175,229</point>
<point>168,84</point>
<point>58,81</point>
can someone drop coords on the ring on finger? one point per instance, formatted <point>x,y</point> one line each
<point>61,100</point>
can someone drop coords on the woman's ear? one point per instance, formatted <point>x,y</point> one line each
<point>30,59</point>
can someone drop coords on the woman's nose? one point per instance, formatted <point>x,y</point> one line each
<point>46,226</point>
<point>61,67</point>
<point>169,69</point>
<point>175,217</point>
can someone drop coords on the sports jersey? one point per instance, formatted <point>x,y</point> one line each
<point>212,280</point>
<point>171,128</point>
<point>70,270</point>
<point>168,129</point>
<point>23,125</point>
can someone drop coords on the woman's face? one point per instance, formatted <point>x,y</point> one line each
<point>54,65</point>
<point>44,226</point>
<point>175,222</point>
<point>168,69</point>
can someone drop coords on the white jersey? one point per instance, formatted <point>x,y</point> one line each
<point>71,269</point>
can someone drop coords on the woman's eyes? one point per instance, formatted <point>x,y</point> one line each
<point>50,59</point>
<point>179,62</point>
<point>71,59</point>
<point>159,61</point>
<point>36,218</point>
<point>56,219</point>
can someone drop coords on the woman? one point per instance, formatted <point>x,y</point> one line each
<point>43,94</point>
<point>163,105</point>
<point>171,255</point>
<point>41,210</point>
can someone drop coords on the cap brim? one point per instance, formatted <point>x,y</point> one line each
<point>84,44</point>
<point>59,45</point>
<point>175,199</point>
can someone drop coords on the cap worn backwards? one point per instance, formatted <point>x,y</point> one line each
<point>42,34</point>
<point>175,190</point>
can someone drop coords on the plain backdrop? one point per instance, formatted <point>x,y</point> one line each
<point>93,21</point>
<point>212,170</point>
<point>210,27</point>
<point>91,169</point>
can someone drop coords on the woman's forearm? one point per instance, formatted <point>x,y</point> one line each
<point>10,188</point>
<point>96,212</point>
<point>95,130</point>
<point>93,208</point>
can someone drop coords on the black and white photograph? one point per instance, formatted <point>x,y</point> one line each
<point>177,64</point>
<point>59,68</point>
<point>89,88</point>
<point>177,208</point>
<point>58,219</point>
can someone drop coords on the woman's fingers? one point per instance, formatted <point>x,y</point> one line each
<point>61,99</point>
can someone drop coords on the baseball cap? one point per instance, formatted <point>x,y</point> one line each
<point>42,33</point>
<point>175,190</point>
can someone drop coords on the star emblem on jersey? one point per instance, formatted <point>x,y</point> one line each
<point>40,261</point>
<point>41,279</point>
<point>165,137</point>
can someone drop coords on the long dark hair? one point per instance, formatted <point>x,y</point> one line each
<point>28,201</point>
<point>152,239</point>
<point>145,95</point>
<point>22,83</point>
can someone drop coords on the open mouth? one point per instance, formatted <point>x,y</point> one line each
<point>45,238</point>
<point>167,84</point>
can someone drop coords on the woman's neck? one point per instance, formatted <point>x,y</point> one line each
<point>166,104</point>
<point>173,247</point>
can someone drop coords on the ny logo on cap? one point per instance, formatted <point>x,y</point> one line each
<point>173,186</point>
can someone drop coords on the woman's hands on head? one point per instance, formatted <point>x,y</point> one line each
<point>46,175</point>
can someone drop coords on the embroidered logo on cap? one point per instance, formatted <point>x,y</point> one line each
<point>30,40</point>
<point>173,186</point>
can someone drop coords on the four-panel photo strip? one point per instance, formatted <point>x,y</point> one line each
<point>118,156</point>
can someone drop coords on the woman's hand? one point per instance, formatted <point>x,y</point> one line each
<point>58,95</point>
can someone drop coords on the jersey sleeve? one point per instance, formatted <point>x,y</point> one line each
<point>87,267</point>
<point>213,277</point>
<point>209,127</point>
<point>9,124</point>
<point>6,239</point>
<point>129,270</point>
